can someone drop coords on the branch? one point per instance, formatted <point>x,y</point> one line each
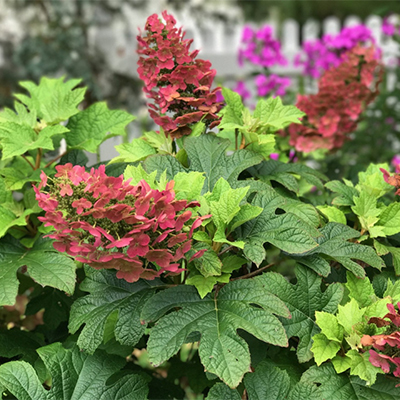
<point>26,159</point>
<point>256,272</point>
<point>55,159</point>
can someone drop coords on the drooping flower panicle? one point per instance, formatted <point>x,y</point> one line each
<point>344,92</point>
<point>106,222</point>
<point>177,82</point>
<point>387,344</point>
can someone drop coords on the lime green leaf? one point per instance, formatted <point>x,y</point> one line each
<point>45,265</point>
<point>349,315</point>
<point>93,126</point>
<point>360,366</point>
<point>360,290</point>
<point>272,113</point>
<point>329,326</point>
<point>109,295</point>
<point>390,219</point>
<point>5,193</point>
<point>188,186</point>
<point>377,309</point>
<point>136,150</point>
<point>232,112</point>
<point>243,304</point>
<point>341,364</point>
<point>136,174</point>
<point>159,141</point>
<point>17,139</point>
<point>371,181</point>
<point>205,285</point>
<point>323,348</point>
<point>303,300</point>
<point>333,214</point>
<point>8,219</point>
<point>262,144</point>
<point>246,213</point>
<point>86,377</point>
<point>267,382</point>
<point>53,99</point>
<point>346,193</point>
<point>365,208</point>
<point>21,115</point>
<point>221,391</point>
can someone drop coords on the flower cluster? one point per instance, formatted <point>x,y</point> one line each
<point>387,344</point>
<point>394,179</point>
<point>343,93</point>
<point>389,28</point>
<point>260,48</point>
<point>105,222</point>
<point>320,55</point>
<point>177,82</point>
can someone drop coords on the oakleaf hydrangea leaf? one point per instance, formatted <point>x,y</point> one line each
<point>20,116</point>
<point>17,139</point>
<point>75,376</point>
<point>136,150</point>
<point>345,193</point>
<point>93,126</point>
<point>333,245</point>
<point>360,290</point>
<point>303,300</point>
<point>220,391</point>
<point>217,317</point>
<point>109,294</point>
<point>53,99</point>
<point>45,265</point>
<point>323,348</point>
<point>329,385</point>
<point>389,219</point>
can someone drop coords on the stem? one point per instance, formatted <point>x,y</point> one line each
<point>55,159</point>
<point>26,159</point>
<point>38,159</point>
<point>225,250</point>
<point>251,274</point>
<point>236,138</point>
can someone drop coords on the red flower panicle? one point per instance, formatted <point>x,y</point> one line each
<point>388,344</point>
<point>344,92</point>
<point>105,222</point>
<point>177,82</point>
<point>394,179</point>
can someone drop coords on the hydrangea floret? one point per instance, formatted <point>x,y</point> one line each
<point>320,55</point>
<point>386,345</point>
<point>106,222</point>
<point>343,93</point>
<point>177,82</point>
<point>394,179</point>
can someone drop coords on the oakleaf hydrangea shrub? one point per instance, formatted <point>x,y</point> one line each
<point>197,264</point>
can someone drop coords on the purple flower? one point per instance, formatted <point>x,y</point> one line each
<point>274,85</point>
<point>388,28</point>
<point>260,48</point>
<point>319,55</point>
<point>241,89</point>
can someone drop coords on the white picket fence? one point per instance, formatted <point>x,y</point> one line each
<point>220,42</point>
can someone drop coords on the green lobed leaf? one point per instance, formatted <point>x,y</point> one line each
<point>333,244</point>
<point>328,385</point>
<point>136,150</point>
<point>17,139</point>
<point>345,193</point>
<point>324,348</point>
<point>329,326</point>
<point>209,263</point>
<point>389,219</point>
<point>333,214</point>
<point>267,382</point>
<point>349,315</point>
<point>45,265</point>
<point>205,285</point>
<point>216,318</point>
<point>360,290</point>
<point>21,115</point>
<point>232,112</point>
<point>360,366</point>
<point>75,376</point>
<point>108,295</point>
<point>53,99</point>
<point>365,208</point>
<point>93,126</point>
<point>303,300</point>
<point>371,181</point>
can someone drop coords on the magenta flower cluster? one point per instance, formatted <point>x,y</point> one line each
<point>106,222</point>
<point>319,55</point>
